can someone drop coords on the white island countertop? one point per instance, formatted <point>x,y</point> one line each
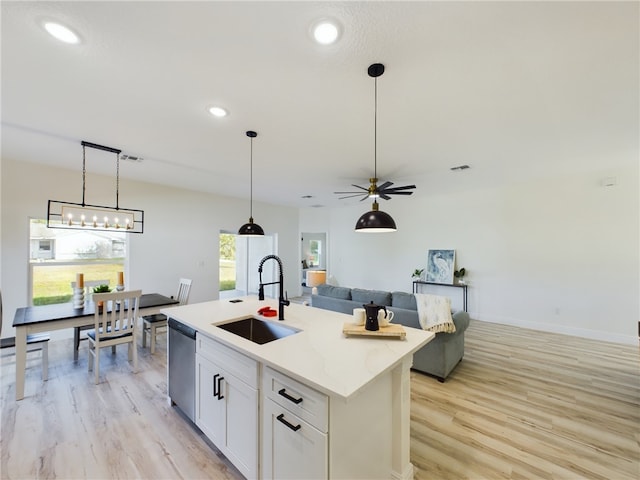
<point>318,355</point>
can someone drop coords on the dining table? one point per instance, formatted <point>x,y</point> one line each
<point>47,318</point>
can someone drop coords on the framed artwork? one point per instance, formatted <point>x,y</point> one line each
<point>440,266</point>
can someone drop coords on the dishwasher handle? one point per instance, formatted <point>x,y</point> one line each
<point>182,328</point>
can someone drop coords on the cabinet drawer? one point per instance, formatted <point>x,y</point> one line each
<point>292,449</point>
<point>234,362</point>
<point>303,401</point>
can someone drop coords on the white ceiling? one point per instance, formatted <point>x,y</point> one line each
<point>516,90</point>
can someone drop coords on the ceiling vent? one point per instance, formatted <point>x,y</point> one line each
<point>459,168</point>
<point>131,158</point>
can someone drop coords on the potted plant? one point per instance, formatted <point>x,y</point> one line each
<point>101,289</point>
<point>417,273</point>
<point>459,274</point>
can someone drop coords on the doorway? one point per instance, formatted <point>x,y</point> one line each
<point>238,263</point>
<point>313,254</point>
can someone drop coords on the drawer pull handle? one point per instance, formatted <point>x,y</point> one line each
<point>220,396</point>
<point>289,397</point>
<point>295,428</point>
<point>215,384</point>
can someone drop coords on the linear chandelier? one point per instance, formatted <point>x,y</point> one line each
<point>82,216</point>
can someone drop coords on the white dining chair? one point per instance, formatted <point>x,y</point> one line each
<point>151,323</point>
<point>114,324</point>
<point>76,330</point>
<point>35,342</point>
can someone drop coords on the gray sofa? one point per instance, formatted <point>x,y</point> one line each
<point>437,358</point>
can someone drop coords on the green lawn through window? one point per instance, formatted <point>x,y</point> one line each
<point>52,283</point>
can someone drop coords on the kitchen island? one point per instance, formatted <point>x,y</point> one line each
<point>315,403</point>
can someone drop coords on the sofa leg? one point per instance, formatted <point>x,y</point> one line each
<point>440,379</point>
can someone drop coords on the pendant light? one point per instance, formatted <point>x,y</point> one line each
<point>251,229</point>
<point>82,216</point>
<point>375,221</point>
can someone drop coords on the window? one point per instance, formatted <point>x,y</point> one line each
<point>57,255</point>
<point>227,261</point>
<point>315,250</point>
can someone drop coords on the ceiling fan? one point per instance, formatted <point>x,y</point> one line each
<point>374,191</point>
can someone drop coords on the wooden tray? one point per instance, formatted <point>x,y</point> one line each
<point>390,331</point>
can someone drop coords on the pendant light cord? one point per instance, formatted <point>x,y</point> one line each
<point>117,180</point>
<point>84,169</point>
<point>84,172</point>
<point>251,181</point>
<point>375,128</point>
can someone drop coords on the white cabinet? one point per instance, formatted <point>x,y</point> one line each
<point>272,426</point>
<point>227,402</point>
<point>210,411</point>
<point>295,437</point>
<point>295,449</point>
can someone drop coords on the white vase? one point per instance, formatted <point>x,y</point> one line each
<point>78,298</point>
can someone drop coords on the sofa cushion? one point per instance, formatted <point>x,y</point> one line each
<point>403,300</point>
<point>334,292</point>
<point>367,296</point>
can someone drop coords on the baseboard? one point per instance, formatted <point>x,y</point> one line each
<point>561,329</point>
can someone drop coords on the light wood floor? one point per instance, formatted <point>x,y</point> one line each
<point>522,404</point>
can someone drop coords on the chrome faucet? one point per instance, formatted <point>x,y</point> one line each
<point>283,299</point>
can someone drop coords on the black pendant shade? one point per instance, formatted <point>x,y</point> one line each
<point>251,229</point>
<point>375,221</point>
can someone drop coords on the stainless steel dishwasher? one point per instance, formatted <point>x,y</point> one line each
<point>182,367</point>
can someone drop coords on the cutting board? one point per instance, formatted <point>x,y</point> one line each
<point>390,331</point>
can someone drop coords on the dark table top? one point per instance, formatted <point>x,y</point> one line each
<point>63,311</point>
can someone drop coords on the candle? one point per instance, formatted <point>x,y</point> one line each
<point>80,280</point>
<point>120,278</point>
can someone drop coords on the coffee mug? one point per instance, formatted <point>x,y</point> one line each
<point>383,322</point>
<point>358,316</point>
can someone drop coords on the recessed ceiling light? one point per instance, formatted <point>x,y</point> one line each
<point>218,112</point>
<point>326,32</point>
<point>62,33</point>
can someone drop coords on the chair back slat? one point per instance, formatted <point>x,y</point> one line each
<point>118,314</point>
<point>183,291</point>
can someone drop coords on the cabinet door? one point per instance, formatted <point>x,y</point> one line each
<point>210,408</point>
<point>292,449</point>
<point>242,425</point>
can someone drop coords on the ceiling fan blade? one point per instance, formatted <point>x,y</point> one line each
<point>406,187</point>
<point>385,185</point>
<point>355,195</point>
<point>384,196</point>
<point>361,188</point>
<point>340,193</point>
<point>397,193</point>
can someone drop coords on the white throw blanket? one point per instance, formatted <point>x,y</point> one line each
<point>434,313</point>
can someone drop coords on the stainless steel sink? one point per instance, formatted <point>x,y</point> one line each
<point>258,331</point>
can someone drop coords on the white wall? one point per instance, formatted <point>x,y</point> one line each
<point>557,254</point>
<point>180,238</point>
